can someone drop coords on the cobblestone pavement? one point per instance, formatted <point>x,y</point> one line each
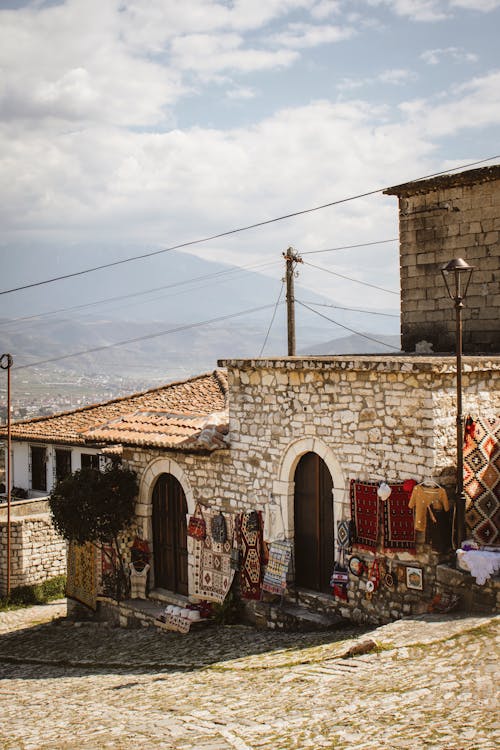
<point>430,683</point>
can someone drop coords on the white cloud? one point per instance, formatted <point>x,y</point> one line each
<point>474,104</point>
<point>207,55</point>
<point>301,35</point>
<point>434,10</point>
<point>241,92</point>
<point>481,5</point>
<point>393,77</point>
<point>416,10</point>
<point>325,8</point>
<point>396,76</point>
<point>457,54</point>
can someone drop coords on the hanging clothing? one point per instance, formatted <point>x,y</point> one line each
<point>425,500</point>
<point>138,580</point>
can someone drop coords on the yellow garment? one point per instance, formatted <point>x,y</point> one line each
<point>425,499</point>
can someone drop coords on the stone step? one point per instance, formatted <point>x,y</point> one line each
<point>292,617</point>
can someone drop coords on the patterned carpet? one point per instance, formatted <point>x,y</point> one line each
<point>213,572</point>
<point>81,582</point>
<point>251,545</point>
<point>365,513</point>
<point>482,481</point>
<point>277,567</point>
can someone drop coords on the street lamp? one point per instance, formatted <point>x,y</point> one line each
<point>457,274</point>
<point>6,363</point>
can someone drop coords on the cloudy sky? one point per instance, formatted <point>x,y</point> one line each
<point>133,125</point>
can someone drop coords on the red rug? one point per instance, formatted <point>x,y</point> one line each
<point>399,528</point>
<point>251,558</point>
<point>482,481</point>
<point>365,513</point>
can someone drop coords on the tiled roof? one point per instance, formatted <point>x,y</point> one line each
<point>174,415</point>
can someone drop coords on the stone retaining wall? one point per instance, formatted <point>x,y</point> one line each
<point>38,553</point>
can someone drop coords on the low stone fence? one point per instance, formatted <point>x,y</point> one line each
<point>38,553</point>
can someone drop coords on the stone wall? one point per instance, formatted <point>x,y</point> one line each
<point>369,418</point>
<point>38,553</point>
<point>441,219</point>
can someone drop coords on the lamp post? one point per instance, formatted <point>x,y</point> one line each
<point>6,363</point>
<point>457,274</point>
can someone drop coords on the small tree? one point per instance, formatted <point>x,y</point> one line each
<point>93,506</point>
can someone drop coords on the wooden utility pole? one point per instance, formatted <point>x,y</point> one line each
<point>6,363</point>
<point>291,257</point>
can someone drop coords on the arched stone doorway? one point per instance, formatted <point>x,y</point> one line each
<point>313,523</point>
<point>170,553</point>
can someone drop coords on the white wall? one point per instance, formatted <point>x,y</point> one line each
<point>21,462</point>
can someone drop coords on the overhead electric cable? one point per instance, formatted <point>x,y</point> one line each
<point>216,274</point>
<point>229,232</point>
<point>349,278</point>
<point>136,339</point>
<point>273,317</point>
<point>364,335</point>
<point>349,247</point>
<point>353,309</point>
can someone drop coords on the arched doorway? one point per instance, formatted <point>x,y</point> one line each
<point>169,535</point>
<point>313,521</point>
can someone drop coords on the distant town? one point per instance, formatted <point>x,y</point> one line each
<point>45,392</point>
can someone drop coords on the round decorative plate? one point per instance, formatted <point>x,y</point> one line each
<point>356,566</point>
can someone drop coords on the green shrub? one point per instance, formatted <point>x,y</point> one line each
<point>37,593</point>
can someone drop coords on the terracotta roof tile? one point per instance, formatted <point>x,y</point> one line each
<point>172,415</point>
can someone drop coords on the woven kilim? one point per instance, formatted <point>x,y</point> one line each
<point>81,579</point>
<point>251,559</point>
<point>399,527</point>
<point>344,534</point>
<point>213,573</point>
<point>365,513</point>
<point>274,579</point>
<point>482,481</point>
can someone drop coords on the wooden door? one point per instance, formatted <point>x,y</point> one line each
<point>313,519</point>
<point>169,535</point>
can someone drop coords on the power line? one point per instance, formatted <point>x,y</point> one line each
<point>117,298</point>
<point>353,309</point>
<point>350,247</point>
<point>364,335</point>
<point>349,278</point>
<point>143,338</point>
<point>229,232</point>
<point>273,317</point>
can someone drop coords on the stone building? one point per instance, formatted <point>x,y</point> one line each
<point>439,219</point>
<point>294,438</point>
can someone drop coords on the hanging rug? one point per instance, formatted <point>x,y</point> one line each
<point>399,527</point>
<point>251,557</point>
<point>274,580</point>
<point>81,583</point>
<point>365,513</point>
<point>212,562</point>
<point>482,481</point>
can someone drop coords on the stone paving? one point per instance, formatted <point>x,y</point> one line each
<point>430,683</point>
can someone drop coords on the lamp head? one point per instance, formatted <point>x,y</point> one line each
<point>461,272</point>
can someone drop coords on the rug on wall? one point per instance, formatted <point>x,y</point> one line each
<point>365,513</point>
<point>213,574</point>
<point>81,579</point>
<point>251,547</point>
<point>399,527</point>
<point>482,481</point>
<point>274,580</point>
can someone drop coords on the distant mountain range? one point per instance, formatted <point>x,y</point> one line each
<point>170,333</point>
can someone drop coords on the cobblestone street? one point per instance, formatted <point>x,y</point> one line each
<point>429,684</point>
